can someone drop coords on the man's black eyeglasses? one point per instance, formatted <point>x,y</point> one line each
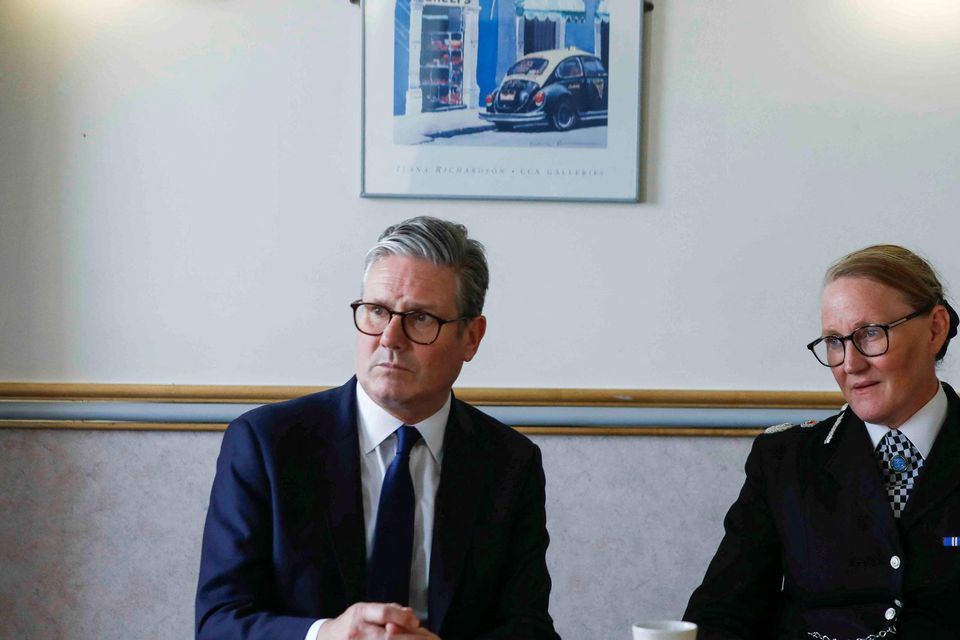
<point>419,326</point>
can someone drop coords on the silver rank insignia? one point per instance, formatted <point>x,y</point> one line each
<point>777,428</point>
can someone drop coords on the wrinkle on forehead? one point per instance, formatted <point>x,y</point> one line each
<point>405,284</point>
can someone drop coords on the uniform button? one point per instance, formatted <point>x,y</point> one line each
<point>890,613</point>
<point>895,562</point>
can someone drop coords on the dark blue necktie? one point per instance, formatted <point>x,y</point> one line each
<point>388,579</point>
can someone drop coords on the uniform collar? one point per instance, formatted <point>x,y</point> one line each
<point>922,427</point>
<point>376,425</point>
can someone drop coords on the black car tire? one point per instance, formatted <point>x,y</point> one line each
<point>504,126</point>
<point>564,116</point>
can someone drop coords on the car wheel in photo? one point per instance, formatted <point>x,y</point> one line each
<point>564,116</point>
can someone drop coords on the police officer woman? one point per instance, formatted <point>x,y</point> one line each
<point>847,529</point>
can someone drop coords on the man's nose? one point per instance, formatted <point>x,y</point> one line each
<point>393,335</point>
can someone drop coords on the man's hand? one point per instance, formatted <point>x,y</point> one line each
<point>373,620</point>
<point>398,633</point>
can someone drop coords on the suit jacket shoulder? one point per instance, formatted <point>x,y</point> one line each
<point>317,412</point>
<point>285,493</point>
<point>794,444</point>
<point>503,439</point>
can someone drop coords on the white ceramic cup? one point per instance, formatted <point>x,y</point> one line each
<point>664,630</point>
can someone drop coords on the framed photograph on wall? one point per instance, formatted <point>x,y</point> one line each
<point>508,99</point>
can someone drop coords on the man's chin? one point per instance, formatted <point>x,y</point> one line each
<point>386,390</point>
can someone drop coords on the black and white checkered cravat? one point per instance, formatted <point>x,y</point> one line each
<point>900,463</point>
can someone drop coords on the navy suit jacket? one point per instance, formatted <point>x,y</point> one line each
<point>810,542</point>
<point>284,540</point>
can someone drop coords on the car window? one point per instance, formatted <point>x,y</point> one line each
<point>528,67</point>
<point>569,69</point>
<point>593,67</point>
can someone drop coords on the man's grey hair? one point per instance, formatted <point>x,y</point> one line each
<point>442,243</point>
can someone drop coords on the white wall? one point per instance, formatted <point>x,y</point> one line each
<point>179,180</point>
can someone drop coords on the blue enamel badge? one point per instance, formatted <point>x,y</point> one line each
<point>898,463</point>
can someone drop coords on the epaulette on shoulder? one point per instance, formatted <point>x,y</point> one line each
<point>777,428</point>
<point>786,426</point>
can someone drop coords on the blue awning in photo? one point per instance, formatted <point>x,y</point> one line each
<point>603,12</point>
<point>556,10</point>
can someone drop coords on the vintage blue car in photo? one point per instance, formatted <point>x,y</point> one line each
<point>560,87</point>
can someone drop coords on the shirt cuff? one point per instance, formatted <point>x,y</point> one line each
<point>315,629</point>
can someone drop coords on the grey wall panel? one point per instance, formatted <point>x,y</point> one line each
<point>100,531</point>
<point>633,522</point>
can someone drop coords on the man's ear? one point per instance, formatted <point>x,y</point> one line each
<point>473,334</point>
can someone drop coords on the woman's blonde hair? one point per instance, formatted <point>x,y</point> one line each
<point>902,270</point>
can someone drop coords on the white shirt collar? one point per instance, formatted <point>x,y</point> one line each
<point>376,425</point>
<point>922,427</point>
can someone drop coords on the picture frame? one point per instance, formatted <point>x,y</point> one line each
<point>502,99</point>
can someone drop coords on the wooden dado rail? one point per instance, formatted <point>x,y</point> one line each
<point>482,396</point>
<point>28,392</point>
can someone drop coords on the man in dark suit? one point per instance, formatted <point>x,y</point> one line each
<point>385,507</point>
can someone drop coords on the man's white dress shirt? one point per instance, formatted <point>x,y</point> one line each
<point>378,446</point>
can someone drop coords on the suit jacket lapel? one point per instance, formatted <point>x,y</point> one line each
<point>941,471</point>
<point>851,464</point>
<point>455,511</point>
<point>344,516</point>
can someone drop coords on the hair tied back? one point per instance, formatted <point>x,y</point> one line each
<point>954,318</point>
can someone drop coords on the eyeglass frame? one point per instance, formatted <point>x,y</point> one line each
<point>849,337</point>
<point>441,323</point>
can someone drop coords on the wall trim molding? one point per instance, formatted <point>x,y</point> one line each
<point>481,396</point>
<point>570,412</point>
<point>98,425</point>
